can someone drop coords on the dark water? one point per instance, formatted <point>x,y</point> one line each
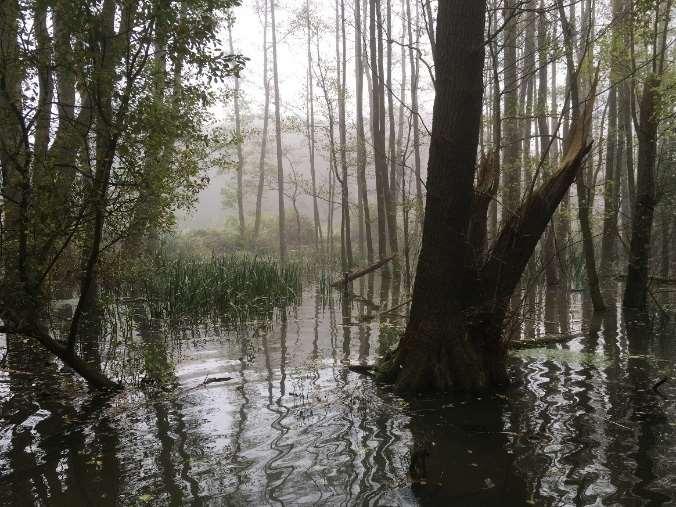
<point>580,425</point>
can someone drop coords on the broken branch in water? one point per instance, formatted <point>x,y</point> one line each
<point>659,383</point>
<point>350,277</point>
<point>216,379</point>
<point>540,342</point>
<point>363,369</point>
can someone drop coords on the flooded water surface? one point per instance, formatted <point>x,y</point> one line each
<point>269,415</point>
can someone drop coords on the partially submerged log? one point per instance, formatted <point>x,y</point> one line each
<point>350,277</point>
<point>363,369</point>
<point>541,342</point>
<point>216,379</point>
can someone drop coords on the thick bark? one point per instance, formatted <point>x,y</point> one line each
<point>434,352</point>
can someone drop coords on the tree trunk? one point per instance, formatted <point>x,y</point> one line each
<point>636,288</point>
<point>264,133</point>
<point>283,254</point>
<point>511,165</point>
<point>318,239</point>
<point>435,352</point>
<point>361,137</point>
<point>377,132</point>
<point>391,194</point>
<point>546,152</point>
<point>415,74</point>
<point>453,339</point>
<point>341,66</point>
<point>240,155</point>
<point>610,192</point>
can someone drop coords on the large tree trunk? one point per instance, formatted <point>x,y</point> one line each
<point>434,352</point>
<point>453,339</point>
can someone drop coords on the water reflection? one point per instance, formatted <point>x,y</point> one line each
<point>581,423</point>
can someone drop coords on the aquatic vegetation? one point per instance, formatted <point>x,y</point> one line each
<point>231,288</point>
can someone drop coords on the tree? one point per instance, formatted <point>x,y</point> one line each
<point>361,136</point>
<point>453,339</point>
<point>238,135</point>
<point>266,118</point>
<point>310,125</point>
<point>283,254</point>
<point>636,288</point>
<point>74,176</point>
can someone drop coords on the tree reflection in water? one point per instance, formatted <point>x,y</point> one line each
<point>580,423</point>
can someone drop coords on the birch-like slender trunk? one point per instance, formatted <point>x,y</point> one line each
<point>264,133</point>
<point>283,254</point>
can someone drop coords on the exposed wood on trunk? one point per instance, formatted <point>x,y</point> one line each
<point>513,247</point>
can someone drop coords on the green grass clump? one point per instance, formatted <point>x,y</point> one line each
<point>235,288</point>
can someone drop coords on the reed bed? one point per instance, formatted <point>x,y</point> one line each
<point>235,288</point>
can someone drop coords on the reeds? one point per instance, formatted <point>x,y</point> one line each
<point>234,288</point>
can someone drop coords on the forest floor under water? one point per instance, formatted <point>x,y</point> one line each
<point>269,415</point>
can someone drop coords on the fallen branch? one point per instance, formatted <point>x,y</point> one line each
<point>216,379</point>
<point>363,369</point>
<point>396,307</point>
<point>659,383</point>
<point>540,342</point>
<point>350,277</point>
